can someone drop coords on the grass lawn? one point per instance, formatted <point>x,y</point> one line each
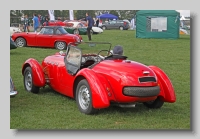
<point>50,110</point>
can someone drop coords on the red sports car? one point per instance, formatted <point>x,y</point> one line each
<point>55,23</point>
<point>97,82</point>
<point>49,36</point>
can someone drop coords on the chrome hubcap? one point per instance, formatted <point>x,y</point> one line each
<point>76,32</point>
<point>84,97</point>
<point>20,42</point>
<point>60,45</point>
<point>28,81</point>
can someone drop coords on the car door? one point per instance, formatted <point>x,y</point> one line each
<point>44,37</point>
<point>72,62</point>
<point>112,25</point>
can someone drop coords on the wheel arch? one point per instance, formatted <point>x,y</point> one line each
<point>167,92</point>
<point>21,37</point>
<point>38,74</point>
<point>99,93</point>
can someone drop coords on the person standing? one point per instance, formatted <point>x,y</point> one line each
<point>26,23</point>
<point>97,22</point>
<point>46,20</point>
<point>94,22</point>
<point>89,25</point>
<point>35,22</point>
<point>40,18</point>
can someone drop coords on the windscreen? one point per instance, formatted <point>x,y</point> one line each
<point>95,47</point>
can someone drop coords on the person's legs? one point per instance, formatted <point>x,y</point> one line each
<point>35,29</point>
<point>88,33</point>
<point>28,28</point>
<point>24,28</point>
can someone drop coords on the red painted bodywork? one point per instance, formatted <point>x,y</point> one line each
<point>37,71</point>
<point>55,23</point>
<point>45,40</point>
<point>167,91</point>
<point>106,79</point>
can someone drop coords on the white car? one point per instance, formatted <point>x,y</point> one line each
<point>14,30</point>
<point>183,31</point>
<point>95,30</point>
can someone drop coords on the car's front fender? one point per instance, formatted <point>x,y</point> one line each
<point>98,87</point>
<point>167,92</point>
<point>37,72</point>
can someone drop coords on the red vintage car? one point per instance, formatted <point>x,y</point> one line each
<point>49,36</point>
<point>55,23</point>
<point>97,81</point>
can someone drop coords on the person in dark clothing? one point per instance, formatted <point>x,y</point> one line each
<point>42,20</point>
<point>46,20</point>
<point>26,23</point>
<point>97,22</point>
<point>89,25</point>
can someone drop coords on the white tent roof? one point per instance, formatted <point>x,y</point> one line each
<point>183,18</point>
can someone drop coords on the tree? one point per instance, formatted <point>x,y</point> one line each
<point>114,12</point>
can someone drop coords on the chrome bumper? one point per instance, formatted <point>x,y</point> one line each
<point>13,93</point>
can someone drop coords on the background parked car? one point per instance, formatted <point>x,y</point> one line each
<point>49,36</point>
<point>55,23</point>
<point>13,91</point>
<point>81,29</point>
<point>14,29</point>
<point>12,44</point>
<point>115,24</point>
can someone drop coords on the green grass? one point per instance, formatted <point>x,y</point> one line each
<point>50,110</point>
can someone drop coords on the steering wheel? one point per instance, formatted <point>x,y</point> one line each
<point>101,57</point>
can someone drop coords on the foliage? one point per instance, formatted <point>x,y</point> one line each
<point>50,110</point>
<point>15,15</point>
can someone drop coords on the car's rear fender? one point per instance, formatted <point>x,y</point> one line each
<point>98,87</point>
<point>37,72</point>
<point>167,92</point>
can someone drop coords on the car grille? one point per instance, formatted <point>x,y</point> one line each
<point>147,79</point>
<point>141,91</point>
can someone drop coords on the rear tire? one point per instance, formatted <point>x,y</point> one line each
<point>60,45</point>
<point>76,31</point>
<point>121,28</point>
<point>104,28</point>
<point>84,98</point>
<point>91,32</point>
<point>28,81</point>
<point>157,103</point>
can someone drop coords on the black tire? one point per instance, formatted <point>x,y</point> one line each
<point>20,42</point>
<point>28,81</point>
<point>121,28</point>
<point>104,28</point>
<point>84,98</point>
<point>91,32</point>
<point>60,45</point>
<point>158,103</point>
<point>76,31</point>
